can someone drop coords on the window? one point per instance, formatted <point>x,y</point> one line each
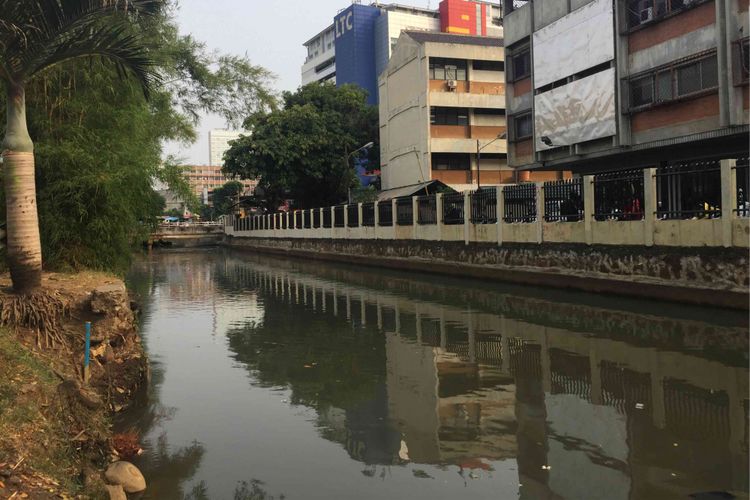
<point>450,161</point>
<point>447,69</point>
<point>645,11</point>
<point>449,116</point>
<point>522,127</point>
<point>488,65</point>
<point>520,64</point>
<point>742,61</point>
<point>676,81</point>
<point>498,112</point>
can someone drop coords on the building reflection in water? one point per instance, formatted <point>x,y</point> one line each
<point>584,413</point>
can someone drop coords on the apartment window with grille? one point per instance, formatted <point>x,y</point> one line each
<point>449,116</point>
<point>520,64</point>
<point>522,127</point>
<point>450,161</point>
<point>677,81</point>
<point>447,69</point>
<point>488,65</point>
<point>646,11</point>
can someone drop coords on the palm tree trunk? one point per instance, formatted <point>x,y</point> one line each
<point>24,245</point>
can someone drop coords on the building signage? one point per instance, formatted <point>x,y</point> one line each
<point>344,24</point>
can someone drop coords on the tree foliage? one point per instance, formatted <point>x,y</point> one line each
<point>302,151</point>
<point>225,197</point>
<point>98,142</point>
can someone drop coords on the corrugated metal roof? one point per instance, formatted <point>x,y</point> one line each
<point>435,37</point>
<point>428,187</point>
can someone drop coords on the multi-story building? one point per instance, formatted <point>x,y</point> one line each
<point>218,144</point>
<point>203,179</point>
<point>357,46</point>
<point>597,85</point>
<point>442,99</point>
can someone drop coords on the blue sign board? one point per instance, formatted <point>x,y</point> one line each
<point>355,48</point>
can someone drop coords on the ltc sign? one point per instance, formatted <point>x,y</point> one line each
<point>344,24</point>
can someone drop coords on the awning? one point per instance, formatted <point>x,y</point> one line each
<point>421,189</point>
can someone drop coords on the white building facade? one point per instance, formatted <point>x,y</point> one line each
<point>218,144</point>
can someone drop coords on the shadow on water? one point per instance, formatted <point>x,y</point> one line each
<point>432,387</point>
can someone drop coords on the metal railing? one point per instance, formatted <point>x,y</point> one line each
<point>427,210</point>
<point>327,218</point>
<point>338,213</point>
<point>353,213</point>
<point>689,190</point>
<point>563,200</point>
<point>520,203</point>
<point>453,209</point>
<point>742,172</point>
<point>385,214</point>
<point>298,221</point>
<point>483,203</point>
<point>316,223</point>
<point>619,195</point>
<point>307,223</point>
<point>404,212</point>
<point>368,214</point>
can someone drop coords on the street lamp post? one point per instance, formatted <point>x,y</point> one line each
<point>479,157</point>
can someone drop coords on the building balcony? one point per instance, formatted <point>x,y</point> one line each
<point>468,87</point>
<point>440,96</point>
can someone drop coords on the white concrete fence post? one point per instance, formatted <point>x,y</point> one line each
<point>360,212</point>
<point>540,212</point>
<point>649,205</point>
<point>588,207</point>
<point>728,200</point>
<point>439,215</point>
<point>346,220</point>
<point>467,216</point>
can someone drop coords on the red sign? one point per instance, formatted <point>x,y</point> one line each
<point>463,17</point>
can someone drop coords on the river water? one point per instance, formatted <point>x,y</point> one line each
<point>276,378</point>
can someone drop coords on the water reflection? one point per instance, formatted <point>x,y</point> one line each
<point>432,387</point>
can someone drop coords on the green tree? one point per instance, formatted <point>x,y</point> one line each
<point>303,150</point>
<point>36,35</point>
<point>225,197</point>
<point>98,141</point>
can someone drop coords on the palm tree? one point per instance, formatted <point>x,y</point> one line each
<point>34,36</point>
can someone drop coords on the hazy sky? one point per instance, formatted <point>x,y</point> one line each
<point>270,32</point>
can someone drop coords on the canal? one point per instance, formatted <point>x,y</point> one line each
<point>276,378</point>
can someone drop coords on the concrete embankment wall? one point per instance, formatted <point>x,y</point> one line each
<point>706,276</point>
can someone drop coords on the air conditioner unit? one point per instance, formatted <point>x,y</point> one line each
<point>647,15</point>
<point>451,84</point>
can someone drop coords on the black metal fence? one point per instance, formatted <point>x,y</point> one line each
<point>298,219</point>
<point>368,214</point>
<point>316,218</point>
<point>563,200</point>
<point>427,210</point>
<point>483,203</point>
<point>353,213</point>
<point>453,209</point>
<point>619,195</point>
<point>327,218</point>
<point>308,218</point>
<point>385,213</point>
<point>338,214</point>
<point>520,203</point>
<point>742,171</point>
<point>689,190</point>
<point>404,212</point>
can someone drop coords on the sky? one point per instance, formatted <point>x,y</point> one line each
<point>270,32</point>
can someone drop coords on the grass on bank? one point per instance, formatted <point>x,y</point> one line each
<point>34,437</point>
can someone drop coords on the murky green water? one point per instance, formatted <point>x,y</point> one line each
<point>306,380</point>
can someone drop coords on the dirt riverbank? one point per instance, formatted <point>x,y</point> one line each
<point>55,428</point>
